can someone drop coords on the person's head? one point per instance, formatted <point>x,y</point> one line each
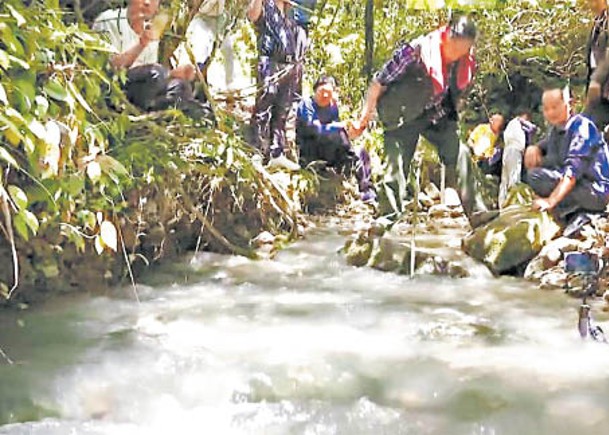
<point>460,38</point>
<point>597,6</point>
<point>325,90</point>
<point>496,121</point>
<point>556,106</point>
<point>524,114</point>
<point>140,12</point>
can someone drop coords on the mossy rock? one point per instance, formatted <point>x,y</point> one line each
<point>358,251</point>
<point>515,237</point>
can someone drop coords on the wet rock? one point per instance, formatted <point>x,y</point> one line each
<point>519,194</point>
<point>439,210</point>
<point>386,255</point>
<point>432,191</point>
<point>264,238</point>
<point>451,198</point>
<point>515,237</point>
<point>555,278</point>
<point>358,251</point>
<point>425,201</point>
<point>436,265</point>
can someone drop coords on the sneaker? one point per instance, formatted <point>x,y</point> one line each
<point>368,196</point>
<point>282,162</point>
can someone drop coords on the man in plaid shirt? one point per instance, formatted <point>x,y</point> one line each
<point>416,94</point>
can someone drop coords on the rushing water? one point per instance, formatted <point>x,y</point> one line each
<point>304,345</point>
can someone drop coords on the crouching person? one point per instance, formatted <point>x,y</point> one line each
<point>569,170</point>
<point>150,85</point>
<point>321,136</point>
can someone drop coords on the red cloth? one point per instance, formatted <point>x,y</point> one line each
<point>431,54</point>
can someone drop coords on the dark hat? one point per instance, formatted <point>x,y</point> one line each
<point>462,26</point>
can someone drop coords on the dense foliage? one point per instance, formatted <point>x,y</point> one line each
<point>83,171</point>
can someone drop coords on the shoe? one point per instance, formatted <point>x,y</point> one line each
<point>368,196</point>
<point>576,224</point>
<point>282,162</point>
<point>480,218</point>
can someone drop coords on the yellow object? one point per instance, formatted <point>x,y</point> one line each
<point>482,142</point>
<point>159,24</point>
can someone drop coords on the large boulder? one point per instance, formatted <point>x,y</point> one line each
<point>515,237</point>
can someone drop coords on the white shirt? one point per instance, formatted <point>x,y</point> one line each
<point>514,136</point>
<point>122,37</point>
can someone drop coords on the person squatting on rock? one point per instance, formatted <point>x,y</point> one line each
<point>276,78</point>
<point>483,144</point>
<point>150,85</point>
<point>321,136</point>
<point>597,59</point>
<point>569,169</point>
<point>417,93</point>
<point>518,135</point>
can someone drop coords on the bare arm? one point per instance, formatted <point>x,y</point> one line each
<point>374,93</point>
<point>564,187</point>
<point>128,57</point>
<point>254,10</point>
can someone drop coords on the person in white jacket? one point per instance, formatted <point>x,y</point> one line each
<point>517,136</point>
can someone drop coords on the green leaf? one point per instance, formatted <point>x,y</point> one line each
<point>55,90</point>
<point>78,96</point>
<point>5,62</point>
<point>16,15</point>
<point>18,196</point>
<point>3,97</point>
<point>32,221</point>
<point>109,235</point>
<point>7,157</point>
<point>21,226</point>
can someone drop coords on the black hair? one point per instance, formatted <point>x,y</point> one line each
<point>325,80</point>
<point>462,26</point>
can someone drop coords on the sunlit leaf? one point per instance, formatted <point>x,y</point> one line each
<point>55,90</point>
<point>94,171</point>
<point>3,97</point>
<point>16,15</point>
<point>18,196</point>
<point>7,157</point>
<point>109,235</point>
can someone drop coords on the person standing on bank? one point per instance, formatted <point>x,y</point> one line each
<point>597,102</point>
<point>417,93</point>
<point>276,76</point>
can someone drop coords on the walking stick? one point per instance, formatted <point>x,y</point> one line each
<point>415,218</point>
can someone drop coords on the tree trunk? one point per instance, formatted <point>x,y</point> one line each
<point>369,38</point>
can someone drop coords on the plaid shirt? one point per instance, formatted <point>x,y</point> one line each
<point>393,70</point>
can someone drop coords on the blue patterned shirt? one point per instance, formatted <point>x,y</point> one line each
<point>313,121</point>
<point>276,33</point>
<point>578,151</point>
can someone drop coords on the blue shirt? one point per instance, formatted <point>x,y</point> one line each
<point>276,33</point>
<point>579,151</point>
<point>313,121</point>
<point>302,16</point>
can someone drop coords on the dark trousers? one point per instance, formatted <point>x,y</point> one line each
<point>583,197</point>
<point>400,145</point>
<point>149,87</point>
<point>272,106</point>
<point>336,150</point>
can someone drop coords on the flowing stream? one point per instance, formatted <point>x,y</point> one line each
<point>303,345</point>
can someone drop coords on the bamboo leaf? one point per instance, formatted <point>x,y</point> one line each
<point>18,196</point>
